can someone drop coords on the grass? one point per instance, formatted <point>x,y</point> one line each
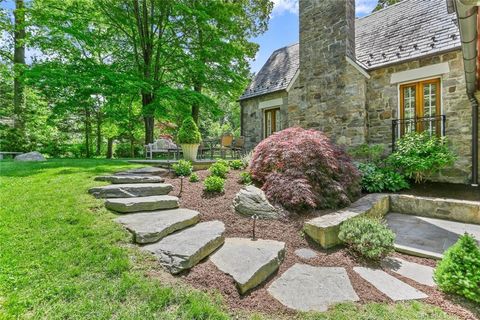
<point>62,257</point>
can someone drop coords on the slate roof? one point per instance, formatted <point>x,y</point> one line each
<point>407,30</point>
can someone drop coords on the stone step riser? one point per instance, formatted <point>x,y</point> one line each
<point>131,190</point>
<point>131,205</point>
<point>124,179</point>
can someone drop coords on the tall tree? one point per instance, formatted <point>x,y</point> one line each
<point>19,62</point>
<point>382,4</point>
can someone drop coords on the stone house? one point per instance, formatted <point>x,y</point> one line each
<point>368,80</point>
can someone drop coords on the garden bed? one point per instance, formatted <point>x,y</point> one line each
<point>289,230</point>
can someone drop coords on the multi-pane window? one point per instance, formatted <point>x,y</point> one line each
<point>420,107</point>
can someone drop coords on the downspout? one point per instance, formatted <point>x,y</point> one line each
<point>467,24</point>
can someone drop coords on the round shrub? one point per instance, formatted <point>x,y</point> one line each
<point>303,169</point>
<point>459,270</point>
<point>188,132</point>
<point>219,169</point>
<point>194,177</point>
<point>236,164</point>
<point>183,168</point>
<point>369,237</point>
<point>214,184</point>
<point>245,178</point>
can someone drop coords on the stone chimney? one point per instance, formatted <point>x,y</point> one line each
<point>333,92</point>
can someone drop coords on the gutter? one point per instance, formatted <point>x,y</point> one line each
<point>467,23</point>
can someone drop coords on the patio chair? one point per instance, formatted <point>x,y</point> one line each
<point>165,146</point>
<point>238,146</point>
<point>225,145</point>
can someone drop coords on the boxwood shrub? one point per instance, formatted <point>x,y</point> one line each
<point>459,270</point>
<point>219,169</point>
<point>214,184</point>
<point>183,168</point>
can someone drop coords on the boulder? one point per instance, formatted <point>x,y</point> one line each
<point>131,190</point>
<point>184,249</point>
<point>30,156</point>
<point>252,201</point>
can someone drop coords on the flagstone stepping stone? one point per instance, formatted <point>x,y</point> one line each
<point>130,179</point>
<point>131,190</point>
<point>420,273</point>
<point>144,171</point>
<point>184,249</point>
<point>389,285</point>
<point>305,253</point>
<point>148,227</point>
<point>249,262</point>
<point>137,204</point>
<point>308,288</point>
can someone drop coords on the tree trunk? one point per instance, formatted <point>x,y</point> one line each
<point>148,118</point>
<point>109,148</point>
<point>19,62</point>
<point>99,133</point>
<point>87,132</point>
<point>195,105</point>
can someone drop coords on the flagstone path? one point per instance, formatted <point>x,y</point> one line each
<point>180,241</point>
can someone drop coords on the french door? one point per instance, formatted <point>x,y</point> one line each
<point>420,107</point>
<point>272,121</point>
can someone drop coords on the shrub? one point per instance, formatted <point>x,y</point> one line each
<point>188,132</point>
<point>376,179</point>
<point>247,158</point>
<point>219,169</point>
<point>214,184</point>
<point>245,178</point>
<point>302,169</point>
<point>183,168</point>
<point>417,155</point>
<point>369,237</point>
<point>459,270</point>
<point>236,164</point>
<point>368,153</point>
<point>194,177</point>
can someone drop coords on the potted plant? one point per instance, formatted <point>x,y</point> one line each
<point>189,138</point>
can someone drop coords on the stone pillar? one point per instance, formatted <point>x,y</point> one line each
<point>333,91</point>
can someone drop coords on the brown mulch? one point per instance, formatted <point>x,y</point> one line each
<point>207,277</point>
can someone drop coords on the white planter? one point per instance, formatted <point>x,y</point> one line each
<point>190,151</point>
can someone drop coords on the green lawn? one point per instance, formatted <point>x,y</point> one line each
<point>62,256</point>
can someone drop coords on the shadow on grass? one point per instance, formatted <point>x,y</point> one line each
<point>69,166</point>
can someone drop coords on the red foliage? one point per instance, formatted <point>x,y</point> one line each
<point>303,169</point>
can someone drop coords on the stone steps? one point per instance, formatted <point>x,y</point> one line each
<point>124,179</point>
<point>249,262</point>
<point>131,190</point>
<point>392,287</point>
<point>152,226</point>
<point>184,249</point>
<point>138,204</point>
<point>154,171</point>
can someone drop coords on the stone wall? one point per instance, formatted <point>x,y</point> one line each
<point>383,106</point>
<point>253,120</point>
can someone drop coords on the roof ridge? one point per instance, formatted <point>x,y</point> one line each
<point>287,46</point>
<point>383,9</point>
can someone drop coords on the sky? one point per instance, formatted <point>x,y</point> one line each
<point>283,28</point>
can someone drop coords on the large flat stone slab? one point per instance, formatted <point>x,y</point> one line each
<point>389,285</point>
<point>148,227</point>
<point>128,205</point>
<point>184,249</point>
<point>249,262</point>
<point>324,230</point>
<point>450,209</point>
<point>124,179</point>
<point>417,272</point>
<point>308,288</point>
<point>131,190</point>
<point>427,237</point>
<point>154,171</point>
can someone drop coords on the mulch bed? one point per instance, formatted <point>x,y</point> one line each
<point>206,276</point>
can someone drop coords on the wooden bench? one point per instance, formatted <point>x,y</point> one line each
<point>9,153</point>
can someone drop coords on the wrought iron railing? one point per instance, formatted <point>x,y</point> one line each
<point>433,125</point>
